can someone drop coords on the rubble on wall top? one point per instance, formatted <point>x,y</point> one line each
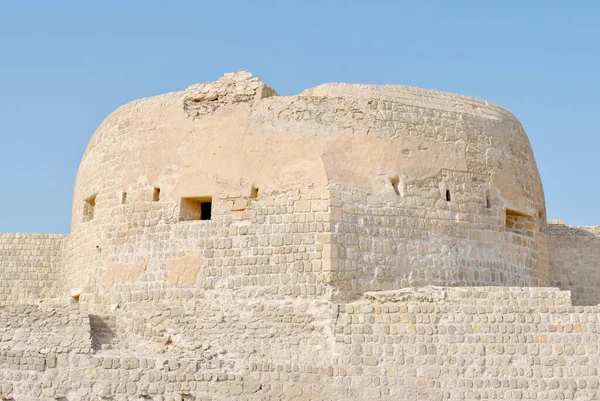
<point>240,87</point>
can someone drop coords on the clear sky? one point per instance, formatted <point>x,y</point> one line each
<point>65,65</point>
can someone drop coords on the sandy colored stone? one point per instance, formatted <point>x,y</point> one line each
<point>184,270</point>
<point>350,242</point>
<point>121,273</point>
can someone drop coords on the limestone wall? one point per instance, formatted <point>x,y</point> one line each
<point>430,343</point>
<point>229,243</point>
<point>38,344</point>
<point>272,244</point>
<point>217,345</point>
<point>467,344</point>
<point>428,179</point>
<point>30,267</point>
<point>419,237</point>
<point>574,254</point>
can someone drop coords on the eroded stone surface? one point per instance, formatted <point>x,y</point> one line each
<point>184,270</point>
<point>351,242</point>
<point>478,343</point>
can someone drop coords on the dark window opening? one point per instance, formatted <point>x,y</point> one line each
<point>254,193</point>
<point>88,208</point>
<point>395,182</point>
<point>156,195</point>
<point>205,210</point>
<point>488,200</point>
<point>123,198</point>
<point>75,298</point>
<point>448,197</point>
<point>199,208</point>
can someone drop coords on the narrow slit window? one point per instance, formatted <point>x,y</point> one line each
<point>394,182</point>
<point>123,198</point>
<point>89,205</point>
<point>448,197</point>
<point>156,194</point>
<point>488,200</point>
<point>198,208</point>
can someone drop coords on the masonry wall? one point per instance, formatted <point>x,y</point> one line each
<point>38,344</point>
<point>430,343</point>
<point>30,267</point>
<point>420,237</point>
<point>467,344</point>
<point>389,154</point>
<point>271,244</point>
<point>574,254</point>
<point>217,345</point>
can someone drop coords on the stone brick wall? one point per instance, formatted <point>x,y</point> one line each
<point>574,254</point>
<point>420,237</point>
<point>272,244</point>
<point>421,183</point>
<point>216,345</point>
<point>430,343</point>
<point>38,345</point>
<point>467,344</point>
<point>331,214</point>
<point>30,267</point>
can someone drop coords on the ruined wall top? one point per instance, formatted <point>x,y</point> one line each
<point>357,136</point>
<point>201,99</point>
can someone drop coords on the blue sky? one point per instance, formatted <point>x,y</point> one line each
<point>65,65</point>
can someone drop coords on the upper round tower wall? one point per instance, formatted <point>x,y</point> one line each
<point>461,164</point>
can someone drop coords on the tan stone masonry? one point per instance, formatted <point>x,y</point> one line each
<point>351,242</point>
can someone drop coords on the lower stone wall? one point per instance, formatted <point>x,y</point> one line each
<point>430,343</point>
<point>225,345</point>
<point>574,255</point>
<point>38,345</point>
<point>30,267</point>
<point>467,344</point>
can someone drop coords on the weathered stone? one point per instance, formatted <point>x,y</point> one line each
<point>351,242</point>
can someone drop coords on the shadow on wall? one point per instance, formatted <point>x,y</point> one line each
<point>102,332</point>
<point>574,256</point>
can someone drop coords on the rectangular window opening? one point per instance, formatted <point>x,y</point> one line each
<point>519,223</point>
<point>88,208</point>
<point>254,193</point>
<point>156,194</point>
<point>448,197</point>
<point>123,198</point>
<point>196,208</point>
<point>488,200</point>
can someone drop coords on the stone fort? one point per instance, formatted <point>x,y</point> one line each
<point>354,242</point>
